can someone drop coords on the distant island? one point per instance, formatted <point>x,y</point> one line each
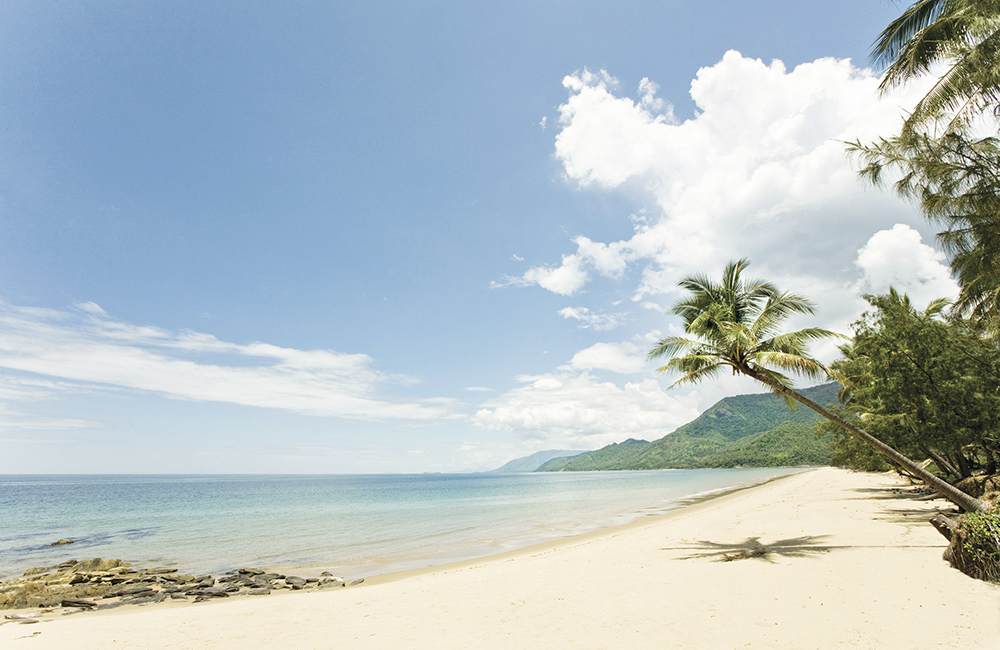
<point>535,460</point>
<point>756,430</point>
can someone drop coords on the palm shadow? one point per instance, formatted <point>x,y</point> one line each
<point>753,548</point>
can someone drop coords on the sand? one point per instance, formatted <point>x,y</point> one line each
<point>855,566</point>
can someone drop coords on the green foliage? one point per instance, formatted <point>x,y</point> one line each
<point>742,431</point>
<point>953,175</point>
<point>962,34</point>
<point>924,385</point>
<point>736,323</point>
<point>975,547</point>
<point>846,450</point>
<point>956,182</point>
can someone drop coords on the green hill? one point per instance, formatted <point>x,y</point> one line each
<point>741,431</point>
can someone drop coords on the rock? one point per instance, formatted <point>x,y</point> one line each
<point>270,576</point>
<point>214,592</point>
<point>151,598</point>
<point>357,582</point>
<point>295,581</point>
<point>326,574</point>
<point>86,604</point>
<point>62,542</point>
<point>177,577</point>
<point>98,564</point>
<point>179,596</point>
<point>139,589</point>
<point>327,583</point>
<point>312,580</point>
<point>252,572</point>
<point>159,572</point>
<point>67,564</point>
<point>259,591</point>
<point>34,572</point>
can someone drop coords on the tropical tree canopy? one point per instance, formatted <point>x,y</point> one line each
<point>924,384</point>
<point>956,182</point>
<point>964,36</point>
<point>950,171</point>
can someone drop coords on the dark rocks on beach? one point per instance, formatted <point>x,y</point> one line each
<point>70,602</point>
<point>327,583</point>
<point>62,542</point>
<point>357,582</point>
<point>75,584</point>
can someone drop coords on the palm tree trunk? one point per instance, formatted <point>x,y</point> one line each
<point>947,490</point>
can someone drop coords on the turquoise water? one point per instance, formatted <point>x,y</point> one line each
<point>353,525</point>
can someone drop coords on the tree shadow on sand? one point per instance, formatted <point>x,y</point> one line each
<point>753,548</point>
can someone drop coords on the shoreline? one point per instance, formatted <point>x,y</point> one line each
<point>852,563</point>
<point>483,543</point>
<point>351,526</point>
<point>164,583</point>
<point>540,547</point>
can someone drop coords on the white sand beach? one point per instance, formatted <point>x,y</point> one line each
<point>855,565</point>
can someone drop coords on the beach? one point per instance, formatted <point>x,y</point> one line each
<point>852,563</point>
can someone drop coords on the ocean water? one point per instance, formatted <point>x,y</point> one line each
<point>352,525</point>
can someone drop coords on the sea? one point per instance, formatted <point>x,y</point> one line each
<point>351,525</point>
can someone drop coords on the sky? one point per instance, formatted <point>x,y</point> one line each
<point>356,237</point>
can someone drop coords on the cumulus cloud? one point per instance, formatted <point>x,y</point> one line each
<point>89,349</point>
<point>591,320</point>
<point>623,358</point>
<point>899,258</point>
<point>577,410</point>
<point>759,171</point>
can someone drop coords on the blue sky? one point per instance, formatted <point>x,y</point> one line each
<point>384,237</point>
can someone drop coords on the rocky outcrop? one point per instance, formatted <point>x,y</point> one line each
<point>101,584</point>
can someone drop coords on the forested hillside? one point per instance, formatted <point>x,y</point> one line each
<point>744,430</point>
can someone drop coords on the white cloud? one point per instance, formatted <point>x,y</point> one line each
<point>591,320</point>
<point>623,358</point>
<point>95,351</point>
<point>759,171</point>
<point>565,279</point>
<point>899,258</point>
<point>569,409</point>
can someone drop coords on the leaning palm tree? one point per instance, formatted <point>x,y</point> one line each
<point>736,325</point>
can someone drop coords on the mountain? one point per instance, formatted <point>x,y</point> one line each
<point>741,431</point>
<point>534,461</point>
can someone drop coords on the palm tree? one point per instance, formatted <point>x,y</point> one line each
<point>964,35</point>
<point>736,325</point>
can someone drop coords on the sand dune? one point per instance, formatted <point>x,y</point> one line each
<point>853,565</point>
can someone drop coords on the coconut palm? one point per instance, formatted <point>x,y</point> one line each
<point>964,35</point>
<point>735,324</point>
